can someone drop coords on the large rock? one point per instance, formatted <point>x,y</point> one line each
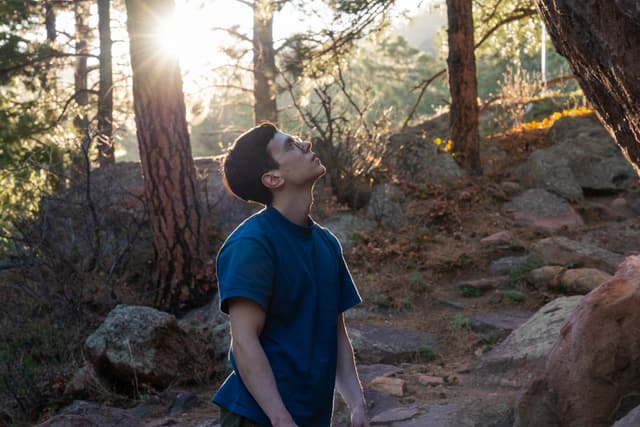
<point>620,236</point>
<point>593,371</point>
<point>632,419</point>
<point>140,345</point>
<point>386,205</point>
<point>224,210</point>
<point>550,172</point>
<point>583,156</point>
<point>581,281</point>
<point>561,250</point>
<point>385,344</point>
<point>574,281</point>
<point>416,158</point>
<point>533,340</point>
<point>209,326</point>
<point>346,225</point>
<point>539,208</point>
<point>592,155</point>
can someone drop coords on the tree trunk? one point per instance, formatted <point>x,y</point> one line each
<point>82,35</point>
<point>105,97</point>
<point>601,41</point>
<point>170,189</point>
<point>50,21</point>
<point>264,65</point>
<point>463,116</point>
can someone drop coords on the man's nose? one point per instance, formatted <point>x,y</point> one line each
<point>305,146</point>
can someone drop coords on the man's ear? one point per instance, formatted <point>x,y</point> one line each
<point>272,179</point>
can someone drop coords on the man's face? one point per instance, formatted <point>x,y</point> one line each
<point>299,165</point>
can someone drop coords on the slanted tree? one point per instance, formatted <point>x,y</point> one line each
<point>175,213</point>
<point>463,116</point>
<point>601,41</point>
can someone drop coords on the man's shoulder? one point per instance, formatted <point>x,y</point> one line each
<point>328,236</point>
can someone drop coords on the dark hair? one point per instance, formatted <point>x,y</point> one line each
<point>246,161</point>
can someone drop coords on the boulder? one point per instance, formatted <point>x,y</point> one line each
<point>548,171</point>
<point>580,281</point>
<point>496,325</point>
<point>141,345</point>
<point>539,208</point>
<point>385,344</point>
<point>543,277</point>
<point>592,374</point>
<point>620,236</point>
<point>594,158</point>
<point>224,209</point>
<point>561,250</point>
<point>583,156</point>
<point>345,225</point>
<point>632,419</point>
<point>209,326</point>
<point>573,281</point>
<point>504,265</point>
<point>386,205</point>
<point>416,158</point>
<point>532,341</point>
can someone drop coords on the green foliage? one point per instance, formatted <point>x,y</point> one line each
<point>519,273</point>
<point>382,301</point>
<point>417,283</point>
<point>515,295</point>
<point>425,353</point>
<point>470,292</point>
<point>459,322</point>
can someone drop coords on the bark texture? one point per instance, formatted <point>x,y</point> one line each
<point>601,41</point>
<point>175,213</point>
<point>463,86</point>
<point>264,64</point>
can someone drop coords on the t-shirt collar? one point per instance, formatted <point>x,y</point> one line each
<point>284,222</point>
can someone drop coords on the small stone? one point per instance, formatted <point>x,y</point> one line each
<point>429,380</point>
<point>395,414</point>
<point>389,385</point>
<point>499,237</point>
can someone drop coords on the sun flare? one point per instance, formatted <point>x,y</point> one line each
<point>186,35</point>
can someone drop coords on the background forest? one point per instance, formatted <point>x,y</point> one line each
<point>76,82</point>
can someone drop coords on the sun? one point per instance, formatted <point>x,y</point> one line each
<point>186,35</point>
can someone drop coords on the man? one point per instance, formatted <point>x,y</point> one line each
<point>284,283</point>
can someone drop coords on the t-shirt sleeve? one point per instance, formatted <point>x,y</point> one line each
<point>245,268</point>
<point>349,295</point>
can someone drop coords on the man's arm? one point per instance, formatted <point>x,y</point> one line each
<point>347,381</point>
<point>247,320</point>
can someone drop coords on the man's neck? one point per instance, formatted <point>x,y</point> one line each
<point>294,206</point>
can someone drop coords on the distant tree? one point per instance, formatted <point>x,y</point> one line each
<point>463,114</point>
<point>601,40</point>
<point>175,213</point>
<point>264,61</point>
<point>357,16</point>
<point>105,96</point>
<point>501,27</point>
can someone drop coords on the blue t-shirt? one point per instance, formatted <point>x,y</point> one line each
<point>299,277</point>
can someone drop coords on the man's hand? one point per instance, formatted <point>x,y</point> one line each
<point>359,417</point>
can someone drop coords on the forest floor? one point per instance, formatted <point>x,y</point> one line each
<point>409,278</point>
